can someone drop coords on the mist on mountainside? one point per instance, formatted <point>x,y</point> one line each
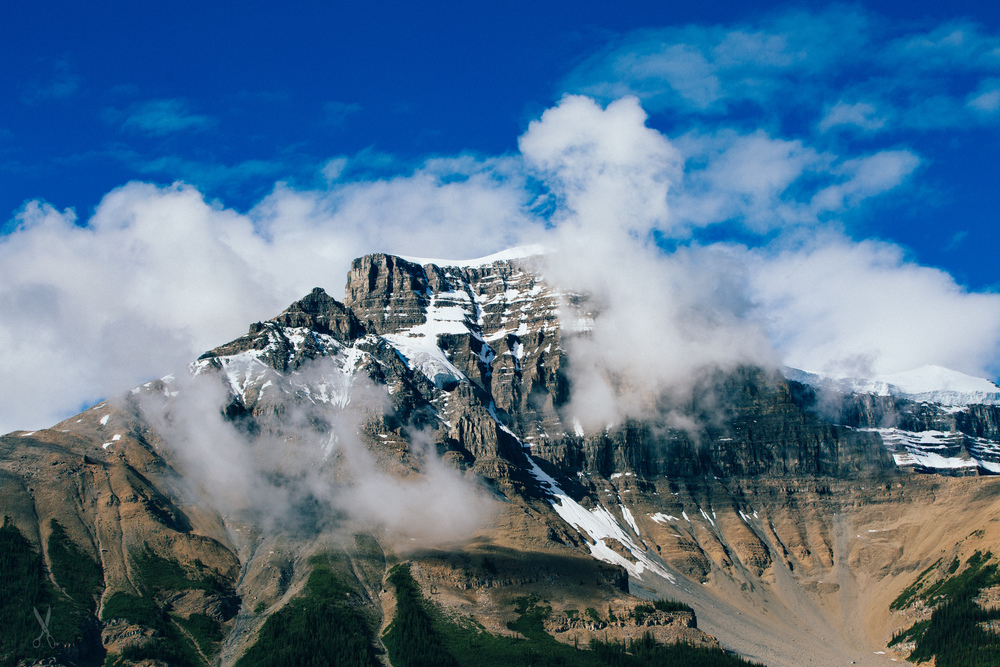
<point>655,321</point>
<point>302,467</point>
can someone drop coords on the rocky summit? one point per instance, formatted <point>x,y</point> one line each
<point>399,471</point>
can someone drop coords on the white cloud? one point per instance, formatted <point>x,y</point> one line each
<point>861,115</point>
<point>745,177</point>
<point>954,45</point>
<point>790,65</point>
<point>697,69</point>
<point>986,99</point>
<point>605,165</point>
<point>659,319</point>
<point>331,482</point>
<point>153,277</point>
<point>334,168</point>
<point>866,177</point>
<point>768,183</point>
<point>162,117</point>
<point>158,275</point>
<point>848,308</point>
<point>661,74</point>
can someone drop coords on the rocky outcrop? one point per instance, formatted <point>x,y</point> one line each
<point>387,293</point>
<point>506,337</point>
<point>743,424</point>
<point>979,421</point>
<point>622,623</point>
<point>922,436</point>
<point>323,314</point>
<point>279,348</point>
<point>885,411</point>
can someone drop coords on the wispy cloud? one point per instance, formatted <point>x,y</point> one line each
<point>790,66</point>
<point>62,84</point>
<point>986,99</point>
<point>160,117</point>
<point>956,45</point>
<point>337,113</point>
<point>705,70</point>
<point>957,239</point>
<point>860,115</point>
<point>766,183</point>
<point>210,174</point>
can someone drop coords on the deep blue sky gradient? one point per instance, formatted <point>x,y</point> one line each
<point>270,93</point>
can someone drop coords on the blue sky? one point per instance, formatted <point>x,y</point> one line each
<point>152,158</point>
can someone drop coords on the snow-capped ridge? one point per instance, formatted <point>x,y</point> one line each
<point>518,252</point>
<point>926,384</point>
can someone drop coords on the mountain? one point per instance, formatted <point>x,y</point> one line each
<point>403,462</point>
<point>931,419</point>
<point>927,384</point>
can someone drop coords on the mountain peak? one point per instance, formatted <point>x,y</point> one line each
<point>518,252</point>
<point>931,378</point>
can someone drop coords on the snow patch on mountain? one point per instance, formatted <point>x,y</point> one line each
<point>940,450</point>
<point>926,384</point>
<point>599,525</point>
<point>945,452</point>
<point>519,252</point>
<point>419,348</point>
<point>248,371</point>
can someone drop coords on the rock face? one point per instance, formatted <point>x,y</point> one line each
<point>318,312</point>
<point>774,495</point>
<point>388,293</point>
<point>496,329</point>
<point>925,436</point>
<point>765,432</point>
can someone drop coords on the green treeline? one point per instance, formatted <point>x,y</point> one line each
<point>170,644</point>
<point>318,629</point>
<point>646,652</point>
<point>909,593</point>
<point>155,575</point>
<point>79,575</point>
<point>955,639</point>
<point>953,635</point>
<point>411,639</point>
<point>25,587</point>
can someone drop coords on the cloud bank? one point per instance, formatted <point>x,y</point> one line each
<point>843,308</point>
<point>737,237</point>
<point>305,469</point>
<point>157,275</point>
<point>659,318</point>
